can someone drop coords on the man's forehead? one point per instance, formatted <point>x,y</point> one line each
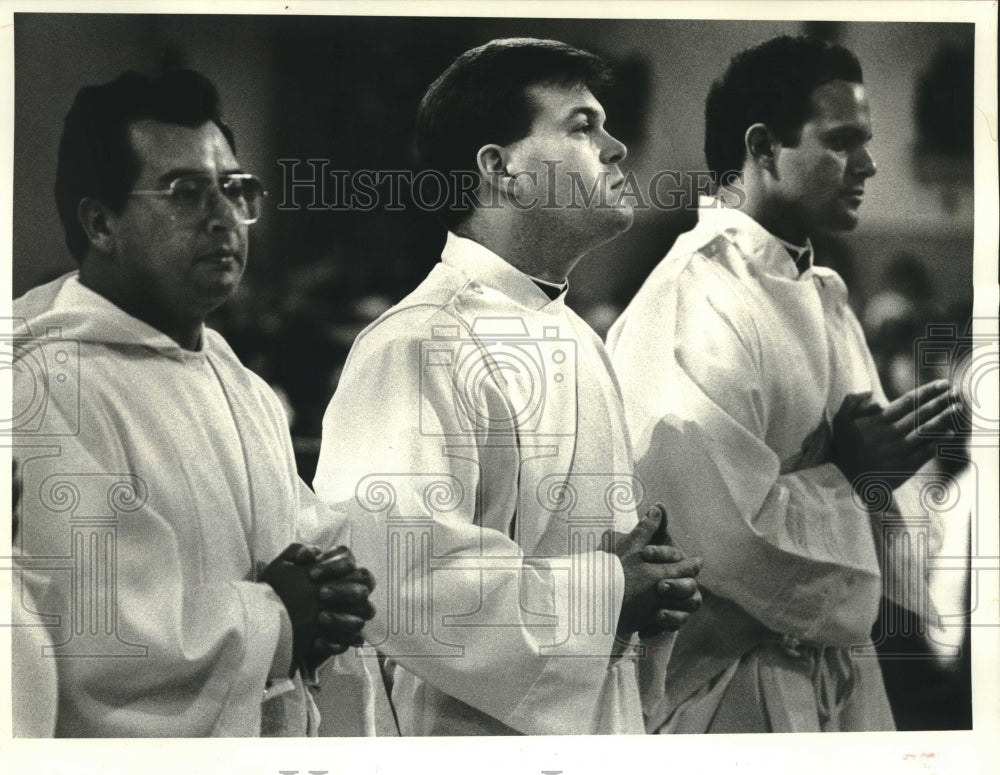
<point>162,147</point>
<point>838,102</point>
<point>557,101</point>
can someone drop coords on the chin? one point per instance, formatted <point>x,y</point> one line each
<point>220,290</point>
<point>843,220</point>
<point>622,217</point>
<point>612,225</point>
<point>849,222</point>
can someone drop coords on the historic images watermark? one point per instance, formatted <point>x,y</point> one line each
<point>311,184</point>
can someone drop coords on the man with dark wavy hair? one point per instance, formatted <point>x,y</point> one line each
<point>496,456</point>
<point>768,408</point>
<point>153,462</point>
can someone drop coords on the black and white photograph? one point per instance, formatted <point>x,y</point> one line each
<point>585,373</point>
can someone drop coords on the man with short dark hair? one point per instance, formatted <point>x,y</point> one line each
<point>495,459</point>
<point>768,408</point>
<point>161,507</point>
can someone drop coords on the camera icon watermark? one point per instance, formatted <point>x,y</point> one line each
<point>46,382</point>
<point>968,358</point>
<point>500,377</point>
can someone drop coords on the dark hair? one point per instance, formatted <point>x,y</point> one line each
<point>771,84</point>
<point>481,98</point>
<point>96,158</point>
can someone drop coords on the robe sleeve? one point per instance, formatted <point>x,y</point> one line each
<point>459,603</point>
<point>790,548</point>
<point>143,643</point>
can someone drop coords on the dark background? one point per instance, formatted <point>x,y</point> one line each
<point>346,89</point>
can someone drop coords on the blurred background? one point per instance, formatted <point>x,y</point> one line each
<point>346,89</point>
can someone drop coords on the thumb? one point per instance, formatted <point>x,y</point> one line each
<point>660,535</point>
<point>852,401</point>
<point>297,553</point>
<point>649,524</point>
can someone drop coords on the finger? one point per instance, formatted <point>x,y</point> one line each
<point>333,623</point>
<point>334,551</point>
<point>669,619</point>
<point>912,399</point>
<point>649,524</point>
<point>689,567</point>
<point>363,610</point>
<point>930,410</point>
<point>323,648</point>
<point>343,594</point>
<point>290,552</point>
<point>362,576</point>
<point>688,605</point>
<point>666,553</point>
<point>366,611</point>
<point>660,535</point>
<point>943,424</point>
<point>332,566</point>
<point>306,554</point>
<point>343,642</point>
<point>678,589</point>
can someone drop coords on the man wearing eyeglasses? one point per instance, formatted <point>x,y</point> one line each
<point>161,505</point>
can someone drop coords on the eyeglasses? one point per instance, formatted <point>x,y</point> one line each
<point>190,193</point>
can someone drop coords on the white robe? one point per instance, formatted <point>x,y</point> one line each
<point>34,686</point>
<point>477,439</point>
<point>158,482</point>
<point>732,367</point>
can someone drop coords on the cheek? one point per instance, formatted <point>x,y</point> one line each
<point>580,167</point>
<point>830,169</point>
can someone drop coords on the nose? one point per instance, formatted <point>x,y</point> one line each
<point>864,164</point>
<point>614,151</point>
<point>222,212</point>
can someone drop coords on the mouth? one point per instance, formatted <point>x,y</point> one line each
<point>223,258</point>
<point>854,197</point>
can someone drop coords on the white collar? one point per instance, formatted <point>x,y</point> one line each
<point>482,265</point>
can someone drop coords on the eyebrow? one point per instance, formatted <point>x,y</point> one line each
<point>849,131</point>
<point>179,172</point>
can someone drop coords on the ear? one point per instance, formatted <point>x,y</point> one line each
<point>491,161</point>
<point>97,221</point>
<point>761,146</point>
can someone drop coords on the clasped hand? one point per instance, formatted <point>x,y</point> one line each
<point>660,587</point>
<point>326,596</point>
